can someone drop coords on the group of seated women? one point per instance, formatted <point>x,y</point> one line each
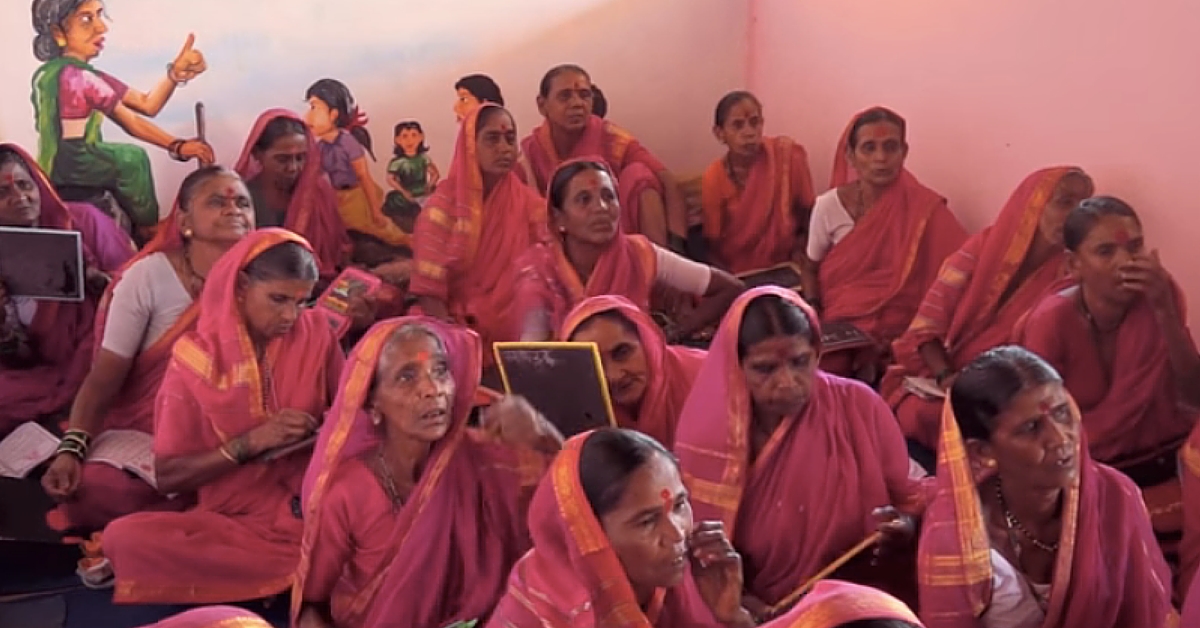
<point>390,487</point>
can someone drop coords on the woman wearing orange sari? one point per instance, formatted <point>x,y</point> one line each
<point>592,257</point>
<point>653,204</point>
<point>150,304</point>
<point>837,604</point>
<point>281,164</point>
<point>648,381</point>
<point>981,293</point>
<point>240,391</point>
<point>1118,335</point>
<point>760,419</point>
<point>474,228</point>
<point>44,345</point>
<point>876,239</point>
<point>1026,531</point>
<point>411,517</point>
<point>615,546</point>
<point>756,199</point>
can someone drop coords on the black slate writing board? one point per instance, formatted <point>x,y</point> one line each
<point>786,275</point>
<point>563,380</point>
<point>841,335</point>
<point>42,263</point>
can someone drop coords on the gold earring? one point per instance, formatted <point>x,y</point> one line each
<point>991,463</point>
<point>62,42</point>
<point>187,233</point>
<point>375,418</point>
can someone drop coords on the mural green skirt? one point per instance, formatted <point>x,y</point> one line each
<point>122,169</point>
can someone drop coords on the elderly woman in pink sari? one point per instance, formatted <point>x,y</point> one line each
<point>590,256</point>
<point>760,419</point>
<point>238,400</point>
<point>45,345</point>
<point>652,201</point>
<point>615,546</point>
<point>1026,530</point>
<point>474,228</point>
<point>281,165</point>
<point>648,380</point>
<point>150,304</point>
<point>411,516</point>
<point>876,240</point>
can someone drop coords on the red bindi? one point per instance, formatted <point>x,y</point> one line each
<point>667,501</point>
<point>1122,237</point>
<point>1045,407</point>
<point>424,356</point>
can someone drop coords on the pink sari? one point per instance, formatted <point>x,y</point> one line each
<point>768,505</point>
<point>671,369</point>
<point>467,246</point>
<point>833,603</point>
<point>756,227</point>
<point>973,306</point>
<point>443,556</point>
<point>878,274</point>
<point>242,539</point>
<point>636,168</point>
<point>313,211</point>
<point>572,578</point>
<point>60,332</point>
<point>213,617</point>
<point>547,282</point>
<point>1108,571</point>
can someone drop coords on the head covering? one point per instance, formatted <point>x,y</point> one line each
<point>313,211</point>
<point>833,603</point>
<point>671,370</point>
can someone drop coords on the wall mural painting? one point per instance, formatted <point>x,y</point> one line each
<point>412,175</point>
<point>71,97</point>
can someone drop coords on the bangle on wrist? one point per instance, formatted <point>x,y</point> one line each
<point>173,150</point>
<point>171,76</point>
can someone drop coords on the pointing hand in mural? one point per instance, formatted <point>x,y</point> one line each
<point>189,64</point>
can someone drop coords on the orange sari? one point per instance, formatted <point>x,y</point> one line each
<point>444,554</point>
<point>757,227</point>
<point>1108,571</point>
<point>974,305</point>
<point>671,369</point>
<point>572,578</point>
<point>242,539</point>
<point>877,275</point>
<point>467,246</point>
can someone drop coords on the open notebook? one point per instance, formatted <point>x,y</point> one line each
<point>31,444</point>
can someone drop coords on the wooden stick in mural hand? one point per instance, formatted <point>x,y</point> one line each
<point>200,130</point>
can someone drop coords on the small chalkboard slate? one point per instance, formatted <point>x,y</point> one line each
<point>563,380</point>
<point>29,549</point>
<point>42,263</point>
<point>841,335</point>
<point>786,275</point>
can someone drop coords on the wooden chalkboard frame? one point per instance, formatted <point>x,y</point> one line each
<point>590,347</point>
<point>791,266</point>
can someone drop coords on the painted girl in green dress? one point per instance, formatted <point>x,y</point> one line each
<point>71,99</point>
<point>411,174</point>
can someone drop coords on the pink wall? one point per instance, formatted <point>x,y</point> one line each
<point>993,90</point>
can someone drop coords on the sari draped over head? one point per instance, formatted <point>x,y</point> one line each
<point>635,167</point>
<point>1108,572</point>
<point>313,211</point>
<point>877,275</point>
<point>547,281</point>
<point>974,304</point>
<point>671,370</point>
<point>241,541</point>
<point>60,332</point>
<point>757,227</point>
<point>767,504</point>
<point>467,245</point>
<point>213,617</point>
<point>449,547</point>
<point>572,578</point>
<point>1190,615</point>
<point>833,603</point>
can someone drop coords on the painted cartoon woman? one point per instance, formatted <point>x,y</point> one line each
<point>345,144</point>
<point>71,98</point>
<point>411,174</point>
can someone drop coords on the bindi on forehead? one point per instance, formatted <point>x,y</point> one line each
<point>1122,236</point>
<point>667,500</point>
